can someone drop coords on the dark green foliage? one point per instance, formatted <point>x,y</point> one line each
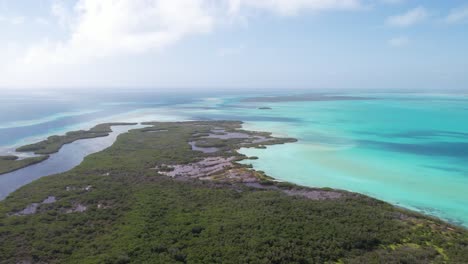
<point>8,158</point>
<point>135,215</point>
<point>287,185</point>
<point>53,143</point>
<point>12,163</point>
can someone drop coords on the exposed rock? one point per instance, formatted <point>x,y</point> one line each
<point>80,208</point>
<point>241,175</point>
<point>228,135</point>
<point>222,134</point>
<point>32,208</point>
<point>73,188</point>
<point>202,149</point>
<point>260,139</point>
<point>205,167</point>
<point>49,200</point>
<point>77,208</point>
<point>29,210</point>
<point>314,194</point>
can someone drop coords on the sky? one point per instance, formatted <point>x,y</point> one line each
<point>218,44</point>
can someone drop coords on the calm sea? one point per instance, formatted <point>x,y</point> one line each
<point>407,149</point>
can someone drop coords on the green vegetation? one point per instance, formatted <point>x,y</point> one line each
<point>51,145</point>
<point>12,163</point>
<point>8,158</point>
<point>211,143</point>
<point>136,215</point>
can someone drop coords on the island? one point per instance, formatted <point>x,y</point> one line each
<point>305,98</point>
<point>52,144</point>
<point>11,163</point>
<point>175,192</point>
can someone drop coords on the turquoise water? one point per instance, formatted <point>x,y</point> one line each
<point>410,152</point>
<point>407,149</point>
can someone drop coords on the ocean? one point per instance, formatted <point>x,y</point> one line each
<point>409,149</point>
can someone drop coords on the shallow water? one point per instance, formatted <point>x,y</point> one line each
<point>407,149</point>
<point>412,152</point>
<point>69,156</point>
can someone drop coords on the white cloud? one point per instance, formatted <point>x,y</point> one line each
<point>399,41</point>
<point>41,21</point>
<point>18,20</point>
<point>61,13</point>
<point>14,20</point>
<point>101,28</point>
<point>106,28</point>
<point>457,15</point>
<point>96,29</point>
<point>409,18</point>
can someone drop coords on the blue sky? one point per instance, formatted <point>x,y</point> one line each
<point>264,44</point>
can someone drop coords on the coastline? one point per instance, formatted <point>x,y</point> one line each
<point>355,150</point>
<point>43,149</point>
<point>69,156</point>
<point>151,177</point>
<point>46,147</point>
<point>12,164</point>
<point>343,166</point>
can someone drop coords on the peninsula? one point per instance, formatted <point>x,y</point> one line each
<point>51,145</point>
<point>175,193</point>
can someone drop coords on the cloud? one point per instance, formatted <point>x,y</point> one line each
<point>399,41</point>
<point>409,18</point>
<point>96,31</point>
<point>61,13</point>
<point>15,20</point>
<point>102,28</point>
<point>457,15</point>
<point>41,21</point>
<point>107,28</point>
<point>18,20</point>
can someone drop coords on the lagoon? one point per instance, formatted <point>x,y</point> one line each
<point>407,149</point>
<point>69,156</point>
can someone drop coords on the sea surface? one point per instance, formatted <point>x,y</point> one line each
<point>409,149</point>
<point>69,156</point>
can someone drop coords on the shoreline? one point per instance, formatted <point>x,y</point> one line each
<point>152,177</point>
<point>43,149</point>
<point>105,128</point>
<point>69,156</point>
